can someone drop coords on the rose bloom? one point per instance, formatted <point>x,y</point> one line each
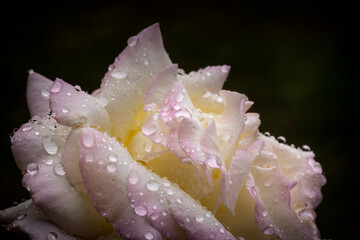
<point>156,153</point>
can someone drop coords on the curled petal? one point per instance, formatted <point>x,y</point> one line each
<point>270,189</point>
<point>37,94</point>
<point>161,85</point>
<point>239,169</point>
<point>232,122</point>
<point>136,201</point>
<point>26,217</point>
<point>130,75</point>
<point>73,107</point>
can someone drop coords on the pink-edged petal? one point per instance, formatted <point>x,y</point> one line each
<point>232,122</point>
<point>30,220</point>
<point>73,107</point>
<point>155,129</point>
<point>177,105</point>
<point>270,189</point>
<point>125,83</point>
<point>135,200</point>
<point>37,94</point>
<point>37,148</point>
<point>159,87</point>
<point>239,169</point>
<point>37,141</point>
<point>204,85</point>
<point>300,166</point>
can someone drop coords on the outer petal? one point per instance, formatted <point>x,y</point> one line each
<point>123,87</point>
<point>74,108</point>
<point>138,202</point>
<point>37,150</point>
<point>271,192</point>
<point>37,94</point>
<point>30,220</point>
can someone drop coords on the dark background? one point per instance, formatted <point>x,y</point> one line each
<point>295,60</point>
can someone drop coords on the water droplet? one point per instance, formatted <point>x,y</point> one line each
<point>148,146</point>
<point>180,97</point>
<point>146,62</point>
<point>148,129</point>
<point>113,158</point>
<point>212,236</point>
<point>166,184</point>
<point>264,213</point>
<point>132,41</point>
<point>199,218</point>
<point>36,133</point>
<point>119,74</point>
<point>88,140</point>
<point>306,148</point>
<point>155,216</point>
<point>22,216</point>
<point>219,99</point>
<point>49,162</point>
<point>89,157</point>
<point>111,167</point>
<point>68,94</point>
<point>51,236</point>
<point>183,113</point>
<point>225,135</point>
<point>65,110</point>
<point>27,127</point>
<point>133,178</point>
<point>152,186</point>
<point>268,182</point>
<point>307,214</point>
<point>45,92</point>
<point>281,139</point>
<point>268,230</point>
<point>111,67</point>
<point>222,230</point>
<point>141,210</point>
<point>267,134</point>
<point>179,200</point>
<point>206,94</point>
<point>58,169</point>
<point>208,74</point>
<point>149,236</point>
<point>50,145</point>
<point>170,191</point>
<point>56,87</point>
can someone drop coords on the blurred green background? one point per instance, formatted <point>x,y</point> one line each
<point>295,60</point>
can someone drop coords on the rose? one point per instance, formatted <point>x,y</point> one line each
<point>156,153</point>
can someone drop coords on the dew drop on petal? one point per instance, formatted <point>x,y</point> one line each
<point>307,214</point>
<point>268,182</point>
<point>56,87</point>
<point>119,74</point>
<point>89,157</point>
<point>148,129</point>
<point>281,139</point>
<point>113,158</point>
<point>170,191</point>
<point>58,169</point>
<point>51,236</point>
<point>133,178</point>
<point>268,230</point>
<point>50,145</point>
<point>45,92</point>
<point>152,186</point>
<point>179,200</point>
<point>148,146</point>
<point>65,110</point>
<point>199,218</point>
<point>154,216</point>
<point>132,41</point>
<point>180,97</point>
<point>183,113</point>
<point>306,148</point>
<point>141,210</point>
<point>88,140</point>
<point>149,236</point>
<point>22,216</point>
<point>111,167</point>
